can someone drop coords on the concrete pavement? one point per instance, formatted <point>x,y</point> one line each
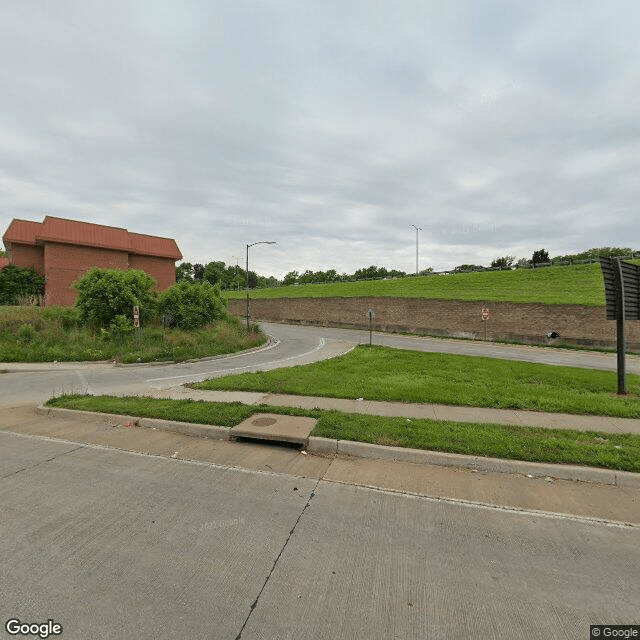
<point>510,491</point>
<point>120,532</point>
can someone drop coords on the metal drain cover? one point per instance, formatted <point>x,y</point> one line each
<point>263,422</point>
<point>272,426</point>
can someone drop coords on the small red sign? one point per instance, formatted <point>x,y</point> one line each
<point>485,313</point>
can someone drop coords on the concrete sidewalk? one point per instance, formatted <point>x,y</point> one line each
<point>601,494</point>
<point>413,410</point>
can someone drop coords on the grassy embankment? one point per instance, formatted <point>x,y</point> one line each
<point>47,334</point>
<point>578,284</point>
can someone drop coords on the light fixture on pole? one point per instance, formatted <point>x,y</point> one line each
<point>417,229</point>
<point>247,272</point>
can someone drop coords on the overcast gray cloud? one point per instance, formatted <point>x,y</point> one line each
<point>497,127</point>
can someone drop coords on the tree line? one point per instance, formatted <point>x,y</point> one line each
<point>541,257</point>
<point>234,277</point>
<point>19,285</point>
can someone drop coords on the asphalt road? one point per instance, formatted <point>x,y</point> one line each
<point>112,535</point>
<point>25,384</point>
<point>113,544</point>
<point>526,353</point>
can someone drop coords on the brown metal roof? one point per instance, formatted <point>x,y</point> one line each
<point>21,232</point>
<point>65,231</point>
<point>155,246</point>
<point>84,233</point>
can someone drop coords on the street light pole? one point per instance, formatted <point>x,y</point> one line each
<point>247,272</point>
<point>417,229</point>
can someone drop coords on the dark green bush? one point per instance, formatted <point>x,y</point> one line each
<point>18,283</point>
<point>104,294</point>
<point>191,306</point>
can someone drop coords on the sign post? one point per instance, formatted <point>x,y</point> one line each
<point>136,323</point>
<point>371,314</point>
<point>622,293</point>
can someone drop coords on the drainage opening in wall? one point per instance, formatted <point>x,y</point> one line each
<point>281,444</point>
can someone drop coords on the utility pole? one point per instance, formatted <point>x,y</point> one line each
<point>417,229</point>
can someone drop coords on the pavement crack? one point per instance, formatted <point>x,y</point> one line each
<point>33,466</point>
<point>275,562</point>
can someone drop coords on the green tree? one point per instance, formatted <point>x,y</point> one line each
<point>234,277</point>
<point>191,305</point>
<point>290,278</point>
<point>595,253</point>
<point>503,262</point>
<point>17,283</point>
<point>198,271</point>
<point>253,279</point>
<point>184,271</point>
<point>540,256</point>
<point>468,267</point>
<point>307,277</point>
<point>104,294</point>
<point>213,273</point>
<point>370,273</point>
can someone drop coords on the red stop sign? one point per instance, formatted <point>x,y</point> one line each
<point>485,313</point>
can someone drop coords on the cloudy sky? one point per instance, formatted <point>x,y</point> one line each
<point>498,127</point>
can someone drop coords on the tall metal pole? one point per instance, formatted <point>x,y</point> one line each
<point>620,337</point>
<point>417,229</point>
<point>246,280</point>
<point>247,272</point>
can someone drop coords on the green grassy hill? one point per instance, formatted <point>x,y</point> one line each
<point>578,284</point>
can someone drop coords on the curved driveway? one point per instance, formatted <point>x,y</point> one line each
<point>32,383</point>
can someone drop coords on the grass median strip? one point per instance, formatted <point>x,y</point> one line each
<point>383,373</point>
<point>611,451</point>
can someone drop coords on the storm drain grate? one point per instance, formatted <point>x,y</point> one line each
<point>273,427</point>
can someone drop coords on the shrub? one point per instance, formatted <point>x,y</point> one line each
<point>19,283</point>
<point>104,294</point>
<point>26,333</point>
<point>192,305</point>
<point>121,326</point>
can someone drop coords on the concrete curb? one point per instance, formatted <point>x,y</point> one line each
<point>330,446</point>
<point>327,446</point>
<point>185,428</point>
<point>78,415</point>
<point>271,342</point>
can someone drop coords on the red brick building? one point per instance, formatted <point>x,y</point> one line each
<point>62,250</point>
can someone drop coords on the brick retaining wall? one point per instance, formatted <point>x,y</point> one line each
<point>508,321</point>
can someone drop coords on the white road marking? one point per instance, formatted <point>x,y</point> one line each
<point>320,345</point>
